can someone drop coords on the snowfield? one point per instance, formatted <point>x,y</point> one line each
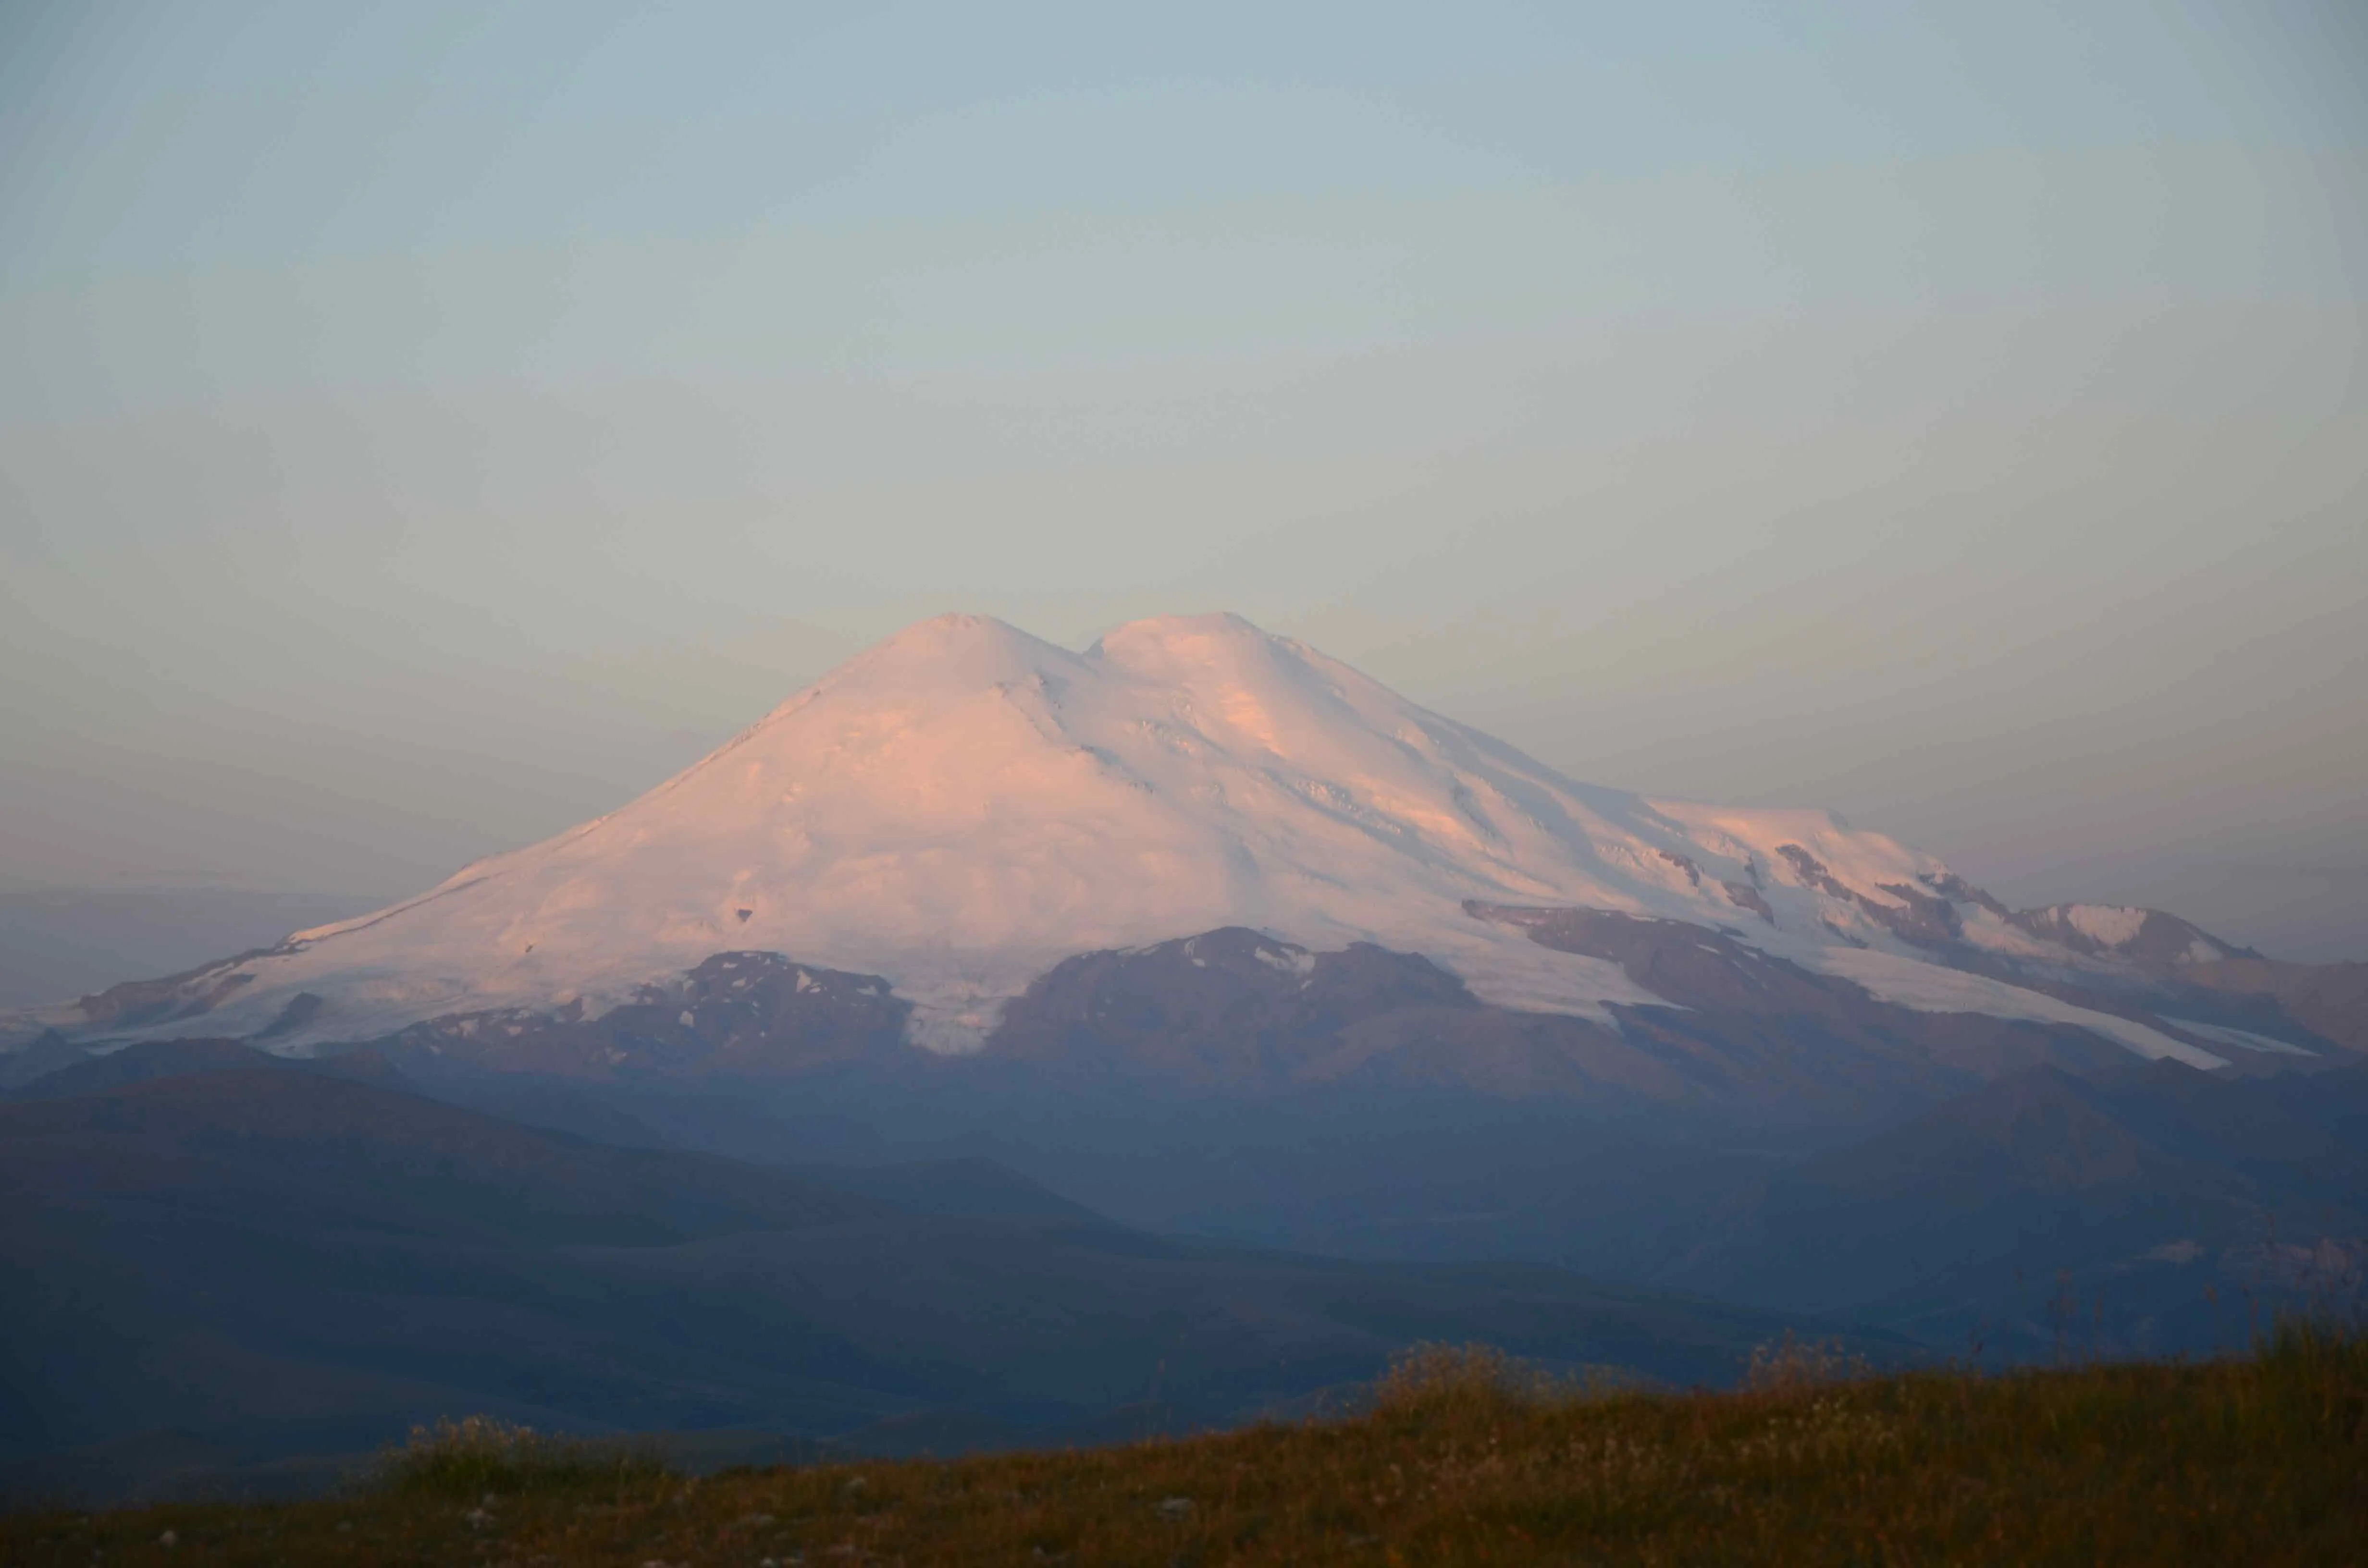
<point>963,806</point>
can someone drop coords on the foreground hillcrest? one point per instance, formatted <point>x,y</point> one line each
<point>942,821</point>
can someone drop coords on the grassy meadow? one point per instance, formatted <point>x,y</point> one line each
<point>1462,1458</point>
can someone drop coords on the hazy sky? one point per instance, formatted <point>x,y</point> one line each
<point>423,426</point>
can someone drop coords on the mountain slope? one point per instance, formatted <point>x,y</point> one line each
<point>898,854</point>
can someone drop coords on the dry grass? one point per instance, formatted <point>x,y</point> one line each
<point>468,1458</point>
<point>1464,1457</point>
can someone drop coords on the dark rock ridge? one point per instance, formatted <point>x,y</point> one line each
<point>1750,1027</point>
<point>2169,965</point>
<point>1714,976</point>
<point>1926,919</point>
<point>1235,1012</point>
<point>1229,1008</point>
<point>749,1014</point>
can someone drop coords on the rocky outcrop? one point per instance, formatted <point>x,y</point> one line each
<point>1926,919</point>
<point>1227,1009</point>
<point>2145,936</point>
<point>737,1014</point>
<point>1748,1028</point>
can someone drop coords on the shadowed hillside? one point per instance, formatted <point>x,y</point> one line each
<point>273,1261</point>
<point>2149,1211</point>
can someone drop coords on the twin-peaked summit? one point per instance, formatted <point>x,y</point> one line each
<point>963,806</point>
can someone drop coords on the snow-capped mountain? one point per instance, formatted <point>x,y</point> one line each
<point>962,808</point>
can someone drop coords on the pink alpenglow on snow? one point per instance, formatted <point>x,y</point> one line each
<point>961,807</point>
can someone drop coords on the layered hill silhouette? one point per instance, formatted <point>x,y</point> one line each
<point>277,1261</point>
<point>2144,1211</point>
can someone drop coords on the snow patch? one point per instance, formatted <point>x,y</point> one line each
<point>1929,988</point>
<point>1294,962</point>
<point>2112,925</point>
<point>2244,1040</point>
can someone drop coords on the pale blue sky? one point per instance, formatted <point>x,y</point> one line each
<point>422,426</point>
